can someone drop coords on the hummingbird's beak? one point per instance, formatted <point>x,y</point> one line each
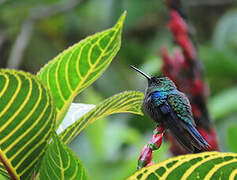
<point>138,70</point>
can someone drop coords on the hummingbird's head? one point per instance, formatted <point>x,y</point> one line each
<point>157,83</point>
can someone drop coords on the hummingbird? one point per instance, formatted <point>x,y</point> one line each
<point>171,109</point>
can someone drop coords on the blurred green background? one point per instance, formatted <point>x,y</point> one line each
<point>33,32</point>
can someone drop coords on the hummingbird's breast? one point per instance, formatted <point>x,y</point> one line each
<point>151,107</point>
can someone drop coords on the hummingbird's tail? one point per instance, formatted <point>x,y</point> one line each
<point>180,134</point>
<point>197,139</point>
<point>186,134</point>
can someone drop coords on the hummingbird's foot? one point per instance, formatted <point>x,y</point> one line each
<point>154,144</point>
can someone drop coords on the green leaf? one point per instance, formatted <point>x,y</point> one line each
<point>231,138</point>
<point>60,162</point>
<point>224,103</point>
<point>207,165</point>
<point>126,102</point>
<point>27,117</point>
<point>76,68</point>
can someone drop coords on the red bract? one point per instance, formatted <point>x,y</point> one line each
<point>172,66</point>
<point>187,46</point>
<point>197,87</point>
<point>156,141</point>
<point>145,157</point>
<point>154,144</point>
<point>176,24</point>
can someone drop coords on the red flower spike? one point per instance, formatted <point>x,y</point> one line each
<point>179,58</point>
<point>187,46</point>
<point>145,157</point>
<point>172,66</point>
<point>197,87</point>
<point>180,31</point>
<point>156,141</point>
<point>177,25</point>
<point>185,69</point>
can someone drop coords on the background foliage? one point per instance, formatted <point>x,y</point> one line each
<point>110,147</point>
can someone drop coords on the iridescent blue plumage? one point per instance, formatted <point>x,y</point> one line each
<point>171,109</point>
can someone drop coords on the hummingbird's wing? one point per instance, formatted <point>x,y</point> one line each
<point>180,104</point>
<point>180,110</point>
<point>176,128</point>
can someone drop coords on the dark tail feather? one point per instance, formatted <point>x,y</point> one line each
<point>198,141</point>
<point>185,133</point>
<point>180,134</point>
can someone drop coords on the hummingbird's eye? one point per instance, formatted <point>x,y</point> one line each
<point>157,81</point>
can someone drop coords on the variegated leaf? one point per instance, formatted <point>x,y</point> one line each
<point>76,68</point>
<point>60,163</point>
<point>126,102</point>
<point>27,117</point>
<point>205,166</point>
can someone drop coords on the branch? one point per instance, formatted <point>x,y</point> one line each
<point>24,36</point>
